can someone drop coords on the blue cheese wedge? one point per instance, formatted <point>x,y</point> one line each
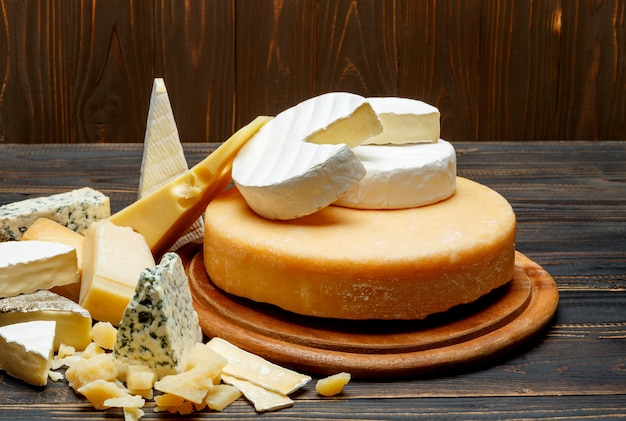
<point>76,210</point>
<point>160,326</point>
<point>26,350</point>
<point>73,323</point>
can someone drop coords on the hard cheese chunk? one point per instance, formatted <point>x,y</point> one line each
<point>301,161</point>
<point>160,326</point>
<point>73,323</point>
<point>165,214</point>
<point>26,350</point>
<point>44,229</point>
<point>163,155</point>
<point>255,369</point>
<point>403,176</point>
<point>263,399</point>
<point>76,210</point>
<point>26,266</point>
<point>405,120</point>
<point>113,259</point>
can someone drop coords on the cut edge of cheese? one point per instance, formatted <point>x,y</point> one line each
<point>405,120</point>
<point>165,214</point>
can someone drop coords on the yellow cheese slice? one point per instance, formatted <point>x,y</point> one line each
<point>264,400</point>
<point>364,264</point>
<point>165,214</point>
<point>251,367</point>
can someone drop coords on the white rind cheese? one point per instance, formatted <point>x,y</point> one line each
<point>405,120</point>
<point>73,323</point>
<point>76,210</point>
<point>403,176</point>
<point>301,161</point>
<point>163,155</point>
<point>26,350</point>
<point>160,326</point>
<point>26,266</point>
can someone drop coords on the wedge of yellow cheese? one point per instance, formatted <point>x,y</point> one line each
<point>165,214</point>
<point>113,259</point>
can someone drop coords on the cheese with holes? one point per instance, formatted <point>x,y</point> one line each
<point>405,120</point>
<point>26,266</point>
<point>26,350</point>
<point>113,259</point>
<point>253,368</point>
<point>364,264</point>
<point>301,161</point>
<point>163,155</point>
<point>44,229</point>
<point>160,327</point>
<point>403,176</point>
<point>76,210</point>
<point>165,214</point>
<point>73,323</point>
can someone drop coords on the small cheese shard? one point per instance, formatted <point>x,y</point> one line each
<point>403,176</point>
<point>264,400</point>
<point>113,259</point>
<point>99,391</point>
<point>332,385</point>
<point>26,350</point>
<point>253,368</point>
<point>301,161</point>
<point>165,214</point>
<point>163,155</point>
<point>405,120</point>
<point>76,210</point>
<point>44,229</point>
<point>26,266</point>
<point>73,323</point>
<point>160,326</point>
<point>97,367</point>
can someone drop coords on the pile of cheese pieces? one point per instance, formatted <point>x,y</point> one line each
<point>59,250</point>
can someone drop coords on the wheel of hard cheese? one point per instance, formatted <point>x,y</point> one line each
<point>364,264</point>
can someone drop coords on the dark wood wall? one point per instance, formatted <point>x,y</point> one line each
<point>76,71</point>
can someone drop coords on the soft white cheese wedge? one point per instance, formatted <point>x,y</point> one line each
<point>403,176</point>
<point>26,266</point>
<point>405,120</point>
<point>26,350</point>
<point>301,161</point>
<point>163,155</point>
<point>73,323</point>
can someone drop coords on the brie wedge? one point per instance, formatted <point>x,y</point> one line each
<point>26,350</point>
<point>301,161</point>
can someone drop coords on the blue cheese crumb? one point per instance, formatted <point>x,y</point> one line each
<point>160,326</point>
<point>75,209</point>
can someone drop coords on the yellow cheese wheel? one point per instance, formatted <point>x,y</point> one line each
<point>364,264</point>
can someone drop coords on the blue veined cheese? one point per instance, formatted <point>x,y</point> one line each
<point>75,209</point>
<point>160,326</point>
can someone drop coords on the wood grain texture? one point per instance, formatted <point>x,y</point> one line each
<point>81,71</point>
<point>569,199</point>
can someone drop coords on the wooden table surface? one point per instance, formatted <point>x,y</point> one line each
<point>570,202</point>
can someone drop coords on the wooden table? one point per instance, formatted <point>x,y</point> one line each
<point>570,201</point>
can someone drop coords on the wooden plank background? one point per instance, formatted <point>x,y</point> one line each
<point>78,71</point>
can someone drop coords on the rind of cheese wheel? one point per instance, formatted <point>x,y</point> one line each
<point>405,120</point>
<point>301,161</point>
<point>364,264</point>
<point>403,176</point>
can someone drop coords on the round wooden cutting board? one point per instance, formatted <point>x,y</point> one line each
<point>465,335</point>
